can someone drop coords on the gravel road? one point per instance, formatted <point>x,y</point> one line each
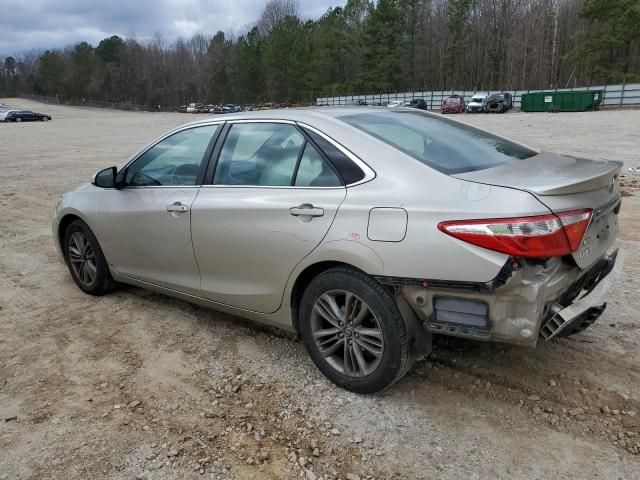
<point>138,385</point>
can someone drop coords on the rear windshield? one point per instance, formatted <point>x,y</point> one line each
<point>445,145</point>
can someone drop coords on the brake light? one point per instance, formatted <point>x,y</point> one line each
<point>532,237</point>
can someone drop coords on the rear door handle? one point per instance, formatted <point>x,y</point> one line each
<point>177,207</point>
<point>306,210</point>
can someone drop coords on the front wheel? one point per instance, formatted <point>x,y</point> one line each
<point>18,120</point>
<point>85,259</point>
<point>353,331</point>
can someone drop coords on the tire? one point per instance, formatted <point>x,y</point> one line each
<point>86,262</point>
<point>352,359</point>
<point>18,120</point>
<point>45,119</point>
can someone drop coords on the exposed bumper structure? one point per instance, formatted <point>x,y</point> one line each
<point>588,308</point>
<point>547,299</point>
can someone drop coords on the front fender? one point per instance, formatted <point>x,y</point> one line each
<point>83,203</point>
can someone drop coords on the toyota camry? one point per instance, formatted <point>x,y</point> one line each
<point>365,230</point>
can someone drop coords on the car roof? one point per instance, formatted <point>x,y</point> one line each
<point>298,114</point>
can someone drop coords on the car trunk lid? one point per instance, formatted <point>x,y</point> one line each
<point>565,183</point>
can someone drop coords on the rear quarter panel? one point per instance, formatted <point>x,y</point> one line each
<point>428,197</point>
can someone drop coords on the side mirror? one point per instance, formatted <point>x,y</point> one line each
<point>105,178</point>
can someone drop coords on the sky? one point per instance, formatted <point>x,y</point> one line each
<point>45,24</point>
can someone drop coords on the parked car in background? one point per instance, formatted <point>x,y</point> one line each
<point>499,103</point>
<point>453,104</point>
<point>3,113</point>
<point>195,108</point>
<point>418,103</point>
<point>508,245</point>
<point>25,116</point>
<point>477,103</point>
<point>395,103</point>
<point>231,108</point>
<point>264,106</point>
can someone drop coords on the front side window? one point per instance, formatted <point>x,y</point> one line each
<point>174,161</point>
<point>447,146</point>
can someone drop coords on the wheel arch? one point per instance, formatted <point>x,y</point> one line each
<point>304,278</point>
<point>419,339</point>
<point>63,224</point>
<point>67,218</point>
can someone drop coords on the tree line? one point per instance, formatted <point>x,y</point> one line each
<point>364,46</point>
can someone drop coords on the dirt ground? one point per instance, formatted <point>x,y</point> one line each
<point>138,385</point>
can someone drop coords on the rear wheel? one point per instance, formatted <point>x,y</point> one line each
<point>85,259</point>
<point>353,331</point>
<point>45,119</point>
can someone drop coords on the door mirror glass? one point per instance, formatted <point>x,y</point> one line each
<point>105,178</point>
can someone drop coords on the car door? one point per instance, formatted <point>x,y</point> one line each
<point>146,224</point>
<point>270,201</point>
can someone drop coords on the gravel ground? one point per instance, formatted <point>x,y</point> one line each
<point>138,385</point>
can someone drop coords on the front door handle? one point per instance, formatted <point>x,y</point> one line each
<point>177,207</point>
<point>306,210</point>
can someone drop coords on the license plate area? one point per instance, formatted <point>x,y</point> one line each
<point>598,238</point>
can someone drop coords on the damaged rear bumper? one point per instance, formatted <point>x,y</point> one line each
<point>588,308</point>
<point>520,307</point>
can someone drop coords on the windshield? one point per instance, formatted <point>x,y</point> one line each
<point>496,96</point>
<point>452,101</point>
<point>477,99</point>
<point>448,146</point>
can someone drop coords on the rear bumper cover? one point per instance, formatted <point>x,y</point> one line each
<point>587,309</point>
<point>519,307</point>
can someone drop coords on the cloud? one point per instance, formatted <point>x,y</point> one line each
<point>45,24</point>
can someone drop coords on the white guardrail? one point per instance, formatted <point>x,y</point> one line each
<point>622,95</point>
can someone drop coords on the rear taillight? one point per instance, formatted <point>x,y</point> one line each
<point>532,237</point>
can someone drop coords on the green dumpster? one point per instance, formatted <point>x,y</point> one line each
<point>561,101</point>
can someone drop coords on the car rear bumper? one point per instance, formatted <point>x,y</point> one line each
<point>517,309</point>
<point>587,309</point>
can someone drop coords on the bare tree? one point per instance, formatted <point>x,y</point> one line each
<point>274,12</point>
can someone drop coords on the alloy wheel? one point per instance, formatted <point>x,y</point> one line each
<point>82,258</point>
<point>347,333</point>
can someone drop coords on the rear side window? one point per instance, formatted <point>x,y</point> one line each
<point>349,171</point>
<point>445,145</point>
<point>314,170</point>
<point>263,154</point>
<point>273,155</point>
